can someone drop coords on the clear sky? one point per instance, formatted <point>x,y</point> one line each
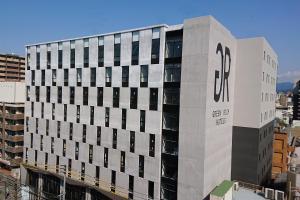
<point>30,21</point>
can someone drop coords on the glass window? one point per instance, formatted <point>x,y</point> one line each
<point>144,76</point>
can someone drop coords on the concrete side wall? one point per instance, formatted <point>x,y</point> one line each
<point>204,136</point>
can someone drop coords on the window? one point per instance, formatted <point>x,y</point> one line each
<point>58,129</point>
<point>37,93</point>
<point>53,111</point>
<point>42,110</point>
<point>32,78</point>
<point>27,93</point>
<point>66,77</point>
<point>53,77</point>
<point>85,96</point>
<point>79,76</point>
<point>97,176</point>
<point>100,52</point>
<point>108,77</point>
<point>92,115</point>
<point>90,154</point>
<point>122,161</point>
<point>150,190</point>
<point>31,140</point>
<point>86,53</point>
<point>64,147</point>
<point>105,157</point>
<point>41,143</point>
<point>59,94</point>
<point>35,157</point>
<point>46,161</point>
<point>153,98</point>
<point>133,98</point>
<point>125,76</point>
<point>72,55</point>
<point>78,114</point>
<point>60,55</point>
<point>106,117</point>
<point>117,50</point>
<point>98,135</point>
<point>100,96</point>
<point>132,141</point>
<point>114,139</point>
<point>43,78</point>
<point>116,97</point>
<point>48,92</point>
<point>47,127</point>
<point>113,181</point>
<point>123,118</point>
<point>69,167</point>
<point>52,145</point>
<point>36,125</point>
<point>38,58</point>
<point>65,112</point>
<point>141,166</point>
<point>84,133</point>
<point>93,77</point>
<point>142,120</point>
<point>76,150</point>
<point>72,95</point>
<point>155,46</point>
<point>131,186</point>
<point>48,57</point>
<point>28,60</point>
<point>32,109</point>
<point>151,145</point>
<point>174,47</point>
<point>82,171</point>
<point>135,49</point>
<point>71,131</point>
<point>144,76</point>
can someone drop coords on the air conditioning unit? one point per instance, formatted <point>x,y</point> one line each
<point>269,193</point>
<point>236,186</point>
<point>279,195</point>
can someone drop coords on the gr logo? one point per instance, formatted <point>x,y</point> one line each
<point>221,83</point>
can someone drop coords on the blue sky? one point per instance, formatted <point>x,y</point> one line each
<point>25,22</point>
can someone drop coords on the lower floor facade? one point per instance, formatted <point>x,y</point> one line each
<point>252,151</point>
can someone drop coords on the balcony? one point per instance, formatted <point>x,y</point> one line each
<point>15,149</point>
<point>12,116</point>
<point>15,138</point>
<point>170,122</point>
<point>170,147</point>
<point>17,127</point>
<point>171,96</point>
<point>172,73</point>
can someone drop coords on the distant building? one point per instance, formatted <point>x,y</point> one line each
<point>107,107</point>
<point>12,68</point>
<point>12,101</point>
<point>281,150</point>
<point>254,111</point>
<point>296,101</point>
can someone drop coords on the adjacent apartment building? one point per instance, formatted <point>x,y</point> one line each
<point>254,106</point>
<point>12,68</point>
<point>12,101</point>
<point>296,101</point>
<point>145,113</point>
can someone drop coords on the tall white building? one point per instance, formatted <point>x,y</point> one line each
<point>140,114</point>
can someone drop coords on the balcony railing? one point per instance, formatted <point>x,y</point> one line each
<point>12,116</point>
<point>16,149</point>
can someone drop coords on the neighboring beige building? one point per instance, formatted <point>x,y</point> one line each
<point>12,68</point>
<point>11,123</point>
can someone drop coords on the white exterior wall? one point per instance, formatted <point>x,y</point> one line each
<point>153,118</point>
<point>14,92</point>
